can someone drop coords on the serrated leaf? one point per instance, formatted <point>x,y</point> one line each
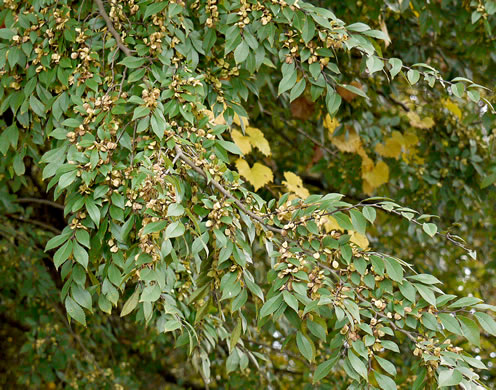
<point>385,382</point>
<point>487,323</point>
<point>470,330</point>
<point>449,378</point>
<point>132,62</point>
<point>369,213</point>
<point>81,296</point>
<point>430,229</point>
<point>304,345</point>
<point>291,300</point>
<point>357,364</point>
<point>394,269</point>
<point>271,305</point>
<point>131,303</point>
<point>386,365</point>
<point>396,65</point>
<point>75,311</point>
<point>323,369</point>
<point>426,293</point>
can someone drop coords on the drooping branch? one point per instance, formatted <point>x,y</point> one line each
<point>225,192</point>
<point>111,28</point>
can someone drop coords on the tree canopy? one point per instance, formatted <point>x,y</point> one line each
<point>253,193</point>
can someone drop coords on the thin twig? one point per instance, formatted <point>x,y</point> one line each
<point>40,201</point>
<point>33,222</point>
<point>111,28</point>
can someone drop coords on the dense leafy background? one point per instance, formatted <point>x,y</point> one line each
<point>88,141</point>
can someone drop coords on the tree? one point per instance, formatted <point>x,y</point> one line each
<point>212,167</point>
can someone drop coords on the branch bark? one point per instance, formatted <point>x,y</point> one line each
<point>111,28</point>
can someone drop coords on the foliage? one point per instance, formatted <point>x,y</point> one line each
<point>211,166</point>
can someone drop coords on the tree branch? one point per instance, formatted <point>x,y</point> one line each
<point>111,28</point>
<point>225,192</point>
<point>40,201</point>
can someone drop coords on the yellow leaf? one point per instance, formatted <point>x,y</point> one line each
<point>410,138</point>
<point>294,184</point>
<point>257,139</point>
<point>392,146</point>
<point>453,108</point>
<point>359,239</point>
<point>330,124</point>
<point>258,175</point>
<point>237,120</point>
<point>367,163</point>
<point>415,121</point>
<point>242,141</point>
<point>217,121</point>
<point>350,142</point>
<point>376,177</point>
<point>331,224</point>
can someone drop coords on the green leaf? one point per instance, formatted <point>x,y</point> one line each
<point>465,301</point>
<point>430,229</point>
<point>62,254</point>
<point>449,378</point>
<point>57,241</point>
<point>308,31</point>
<point>230,147</point>
<point>81,296</point>
<point>487,323</point>
<point>394,269</point>
<point>413,76</point>
<point>374,64</point>
<point>288,81</point>
<point>154,227</point>
<point>450,323</point>
<point>140,112</point>
<point>316,329</point>
<point>425,278</point>
<point>175,210</point>
<point>369,213</point>
<point>473,95</point>
<point>304,345</point>
<point>396,65</point>
<point>358,221</point>
<point>426,293</point>
<point>132,62</point>
<point>297,90</point>
<point>151,293</point>
<point>75,311</point>
<point>175,229</point>
<point>324,368</point>
<point>357,364</point>
<point>37,106</point>
<point>93,211</point>
<point>386,365</point>
<point>155,8</point>
<point>333,101</point>
<point>290,300</point>
<point>131,303</point>
<point>470,330</point>
<point>7,33</point>
<point>80,255</point>
<point>385,382</point>
<point>407,290</point>
<point>458,89</point>
<point>271,305</point>
<point>241,52</point>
